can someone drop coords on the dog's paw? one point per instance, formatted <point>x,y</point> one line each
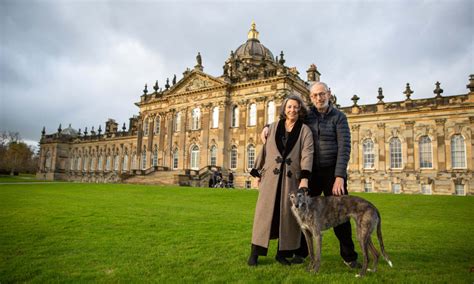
<point>358,275</point>
<point>313,268</point>
<point>371,269</point>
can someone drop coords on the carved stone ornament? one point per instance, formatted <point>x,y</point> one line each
<point>196,84</point>
<point>395,132</point>
<point>355,127</point>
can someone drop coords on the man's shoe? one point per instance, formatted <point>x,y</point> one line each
<point>353,264</point>
<point>282,260</point>
<point>253,259</point>
<point>297,259</point>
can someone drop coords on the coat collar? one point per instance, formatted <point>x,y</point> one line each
<point>292,137</point>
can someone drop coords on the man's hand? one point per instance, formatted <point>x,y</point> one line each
<point>338,187</point>
<point>264,134</point>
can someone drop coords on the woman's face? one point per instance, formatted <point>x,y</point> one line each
<point>292,109</point>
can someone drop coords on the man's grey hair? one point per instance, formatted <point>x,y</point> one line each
<point>312,84</point>
<point>302,113</point>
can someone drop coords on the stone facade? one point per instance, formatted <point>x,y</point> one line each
<point>414,145</point>
<point>202,122</point>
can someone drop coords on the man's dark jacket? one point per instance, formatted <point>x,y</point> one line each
<point>332,140</point>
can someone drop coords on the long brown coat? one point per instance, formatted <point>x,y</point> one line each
<point>289,163</point>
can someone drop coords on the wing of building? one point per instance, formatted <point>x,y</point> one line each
<point>203,124</point>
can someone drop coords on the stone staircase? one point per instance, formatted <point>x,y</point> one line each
<point>156,178</point>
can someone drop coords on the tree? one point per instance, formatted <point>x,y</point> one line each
<point>15,155</point>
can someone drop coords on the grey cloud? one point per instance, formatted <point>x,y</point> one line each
<point>83,62</point>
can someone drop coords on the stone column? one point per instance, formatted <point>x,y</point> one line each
<point>355,148</point>
<point>206,118</point>
<point>381,142</point>
<point>410,162</point>
<point>441,145</point>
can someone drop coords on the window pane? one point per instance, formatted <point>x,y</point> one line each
<point>271,112</point>
<point>426,160</point>
<point>215,117</point>
<point>368,153</point>
<point>233,157</point>
<point>368,187</point>
<point>250,156</point>
<point>396,188</point>
<point>213,156</point>
<point>458,152</point>
<point>253,115</point>
<point>395,153</point>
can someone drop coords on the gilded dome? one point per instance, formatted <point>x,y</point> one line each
<point>253,47</point>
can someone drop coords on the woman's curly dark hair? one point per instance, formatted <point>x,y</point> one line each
<point>303,112</point>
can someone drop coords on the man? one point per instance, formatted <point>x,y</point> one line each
<point>332,148</point>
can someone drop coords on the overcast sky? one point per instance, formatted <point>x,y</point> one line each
<point>82,62</point>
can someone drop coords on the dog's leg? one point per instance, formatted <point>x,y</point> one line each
<point>309,241</point>
<point>363,236</point>
<point>375,254</point>
<point>317,251</point>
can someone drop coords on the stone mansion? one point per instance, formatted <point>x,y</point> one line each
<point>202,123</point>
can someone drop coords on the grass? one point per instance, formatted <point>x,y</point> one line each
<point>131,233</point>
<point>21,178</point>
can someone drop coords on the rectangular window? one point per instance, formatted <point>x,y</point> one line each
<point>368,187</point>
<point>426,188</point>
<point>459,189</point>
<point>248,184</point>
<point>396,188</point>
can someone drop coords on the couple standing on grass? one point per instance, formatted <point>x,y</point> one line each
<point>305,148</point>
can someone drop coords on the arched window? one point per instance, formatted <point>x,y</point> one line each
<point>426,157</point>
<point>213,155</point>
<point>395,147</point>
<point>196,118</point>
<point>108,162</point>
<point>72,160</point>
<point>458,152</point>
<point>101,162</point>
<point>252,115</point>
<point>157,125</point>
<point>125,162</point>
<point>116,162</point>
<point>86,163</point>
<point>134,161</point>
<point>195,157</point>
<point>177,122</point>
<point>145,126</point>
<point>144,158</point>
<point>92,166</point>
<point>368,153</point>
<point>215,117</point>
<point>175,158</point>
<point>250,156</point>
<point>233,157</point>
<point>235,116</point>
<point>79,163</point>
<point>270,112</point>
<point>155,156</point>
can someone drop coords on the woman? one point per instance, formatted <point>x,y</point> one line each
<point>283,166</point>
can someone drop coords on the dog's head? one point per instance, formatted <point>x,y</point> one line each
<point>298,199</point>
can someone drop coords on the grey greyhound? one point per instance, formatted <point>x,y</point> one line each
<point>316,214</point>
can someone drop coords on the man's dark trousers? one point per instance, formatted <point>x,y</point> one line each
<point>322,181</point>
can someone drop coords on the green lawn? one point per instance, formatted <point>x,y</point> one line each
<point>19,178</point>
<point>132,233</point>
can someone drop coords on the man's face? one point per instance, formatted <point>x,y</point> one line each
<point>319,97</point>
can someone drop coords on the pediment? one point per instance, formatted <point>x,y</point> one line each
<point>196,81</point>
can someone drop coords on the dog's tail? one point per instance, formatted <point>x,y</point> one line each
<point>379,236</point>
